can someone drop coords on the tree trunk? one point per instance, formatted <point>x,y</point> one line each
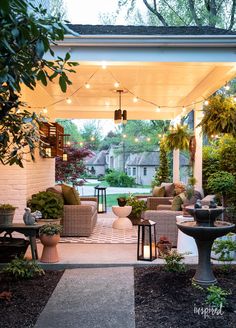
<point>155,12</point>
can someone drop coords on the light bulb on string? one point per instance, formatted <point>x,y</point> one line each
<point>135,99</point>
<point>116,84</point>
<point>92,138</point>
<point>136,140</point>
<point>158,109</point>
<point>148,139</point>
<point>87,85</point>
<point>45,110</point>
<point>124,135</point>
<point>206,102</point>
<point>227,86</point>
<point>81,144</point>
<point>68,100</point>
<point>104,65</point>
<point>184,109</point>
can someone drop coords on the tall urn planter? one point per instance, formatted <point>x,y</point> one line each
<point>49,236</point>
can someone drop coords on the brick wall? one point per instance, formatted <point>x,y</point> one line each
<point>17,184</point>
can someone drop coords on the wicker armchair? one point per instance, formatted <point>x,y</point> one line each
<point>166,223</point>
<point>79,220</point>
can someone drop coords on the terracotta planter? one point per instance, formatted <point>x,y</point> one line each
<point>164,249</point>
<point>49,254</point>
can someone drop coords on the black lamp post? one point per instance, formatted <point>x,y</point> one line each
<point>100,193</point>
<point>146,241</point>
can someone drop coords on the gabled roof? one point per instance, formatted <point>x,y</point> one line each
<point>145,158</point>
<point>98,159</point>
<point>147,30</point>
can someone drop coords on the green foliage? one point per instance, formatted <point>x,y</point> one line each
<point>173,262</point>
<point>138,206</point>
<point>72,129</point>
<point>50,229</point>
<point>178,138</point>
<point>221,182</point>
<point>162,173</point>
<point>227,154</point>
<point>223,247</point>
<point>220,116</point>
<point>119,179</point>
<point>91,134</point>
<point>210,164</point>
<point>21,268</point>
<point>48,203</point>
<point>27,33</point>
<point>7,207</point>
<point>216,296</point>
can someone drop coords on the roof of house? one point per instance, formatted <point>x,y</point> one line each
<point>147,30</point>
<point>98,159</point>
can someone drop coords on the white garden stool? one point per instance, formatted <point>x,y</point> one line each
<point>122,222</point>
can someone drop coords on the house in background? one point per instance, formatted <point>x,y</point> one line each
<point>97,164</point>
<point>142,166</point>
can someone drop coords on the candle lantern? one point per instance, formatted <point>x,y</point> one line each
<point>52,139</point>
<point>146,241</point>
<point>100,193</point>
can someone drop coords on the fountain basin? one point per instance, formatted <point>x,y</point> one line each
<point>205,216</point>
<point>204,237</point>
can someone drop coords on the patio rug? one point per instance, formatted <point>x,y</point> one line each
<point>103,233</point>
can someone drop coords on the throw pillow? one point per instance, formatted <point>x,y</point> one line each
<point>177,204</point>
<point>56,191</point>
<point>158,192</point>
<point>70,195</point>
<point>169,189</point>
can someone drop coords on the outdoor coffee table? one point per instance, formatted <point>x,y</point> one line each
<point>122,222</point>
<point>30,231</point>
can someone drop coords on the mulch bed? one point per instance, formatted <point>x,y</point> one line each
<point>29,297</point>
<point>165,299</point>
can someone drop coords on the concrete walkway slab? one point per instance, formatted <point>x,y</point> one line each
<point>91,298</point>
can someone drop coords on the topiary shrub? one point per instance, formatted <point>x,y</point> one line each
<point>48,203</point>
<point>119,179</point>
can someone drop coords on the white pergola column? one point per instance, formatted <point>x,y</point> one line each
<point>176,176</point>
<point>198,114</point>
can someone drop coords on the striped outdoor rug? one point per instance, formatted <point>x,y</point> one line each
<point>103,233</point>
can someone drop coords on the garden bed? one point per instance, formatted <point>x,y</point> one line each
<point>165,299</point>
<point>29,298</point>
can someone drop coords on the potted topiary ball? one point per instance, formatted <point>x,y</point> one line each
<point>49,235</point>
<point>7,212</point>
<point>48,203</point>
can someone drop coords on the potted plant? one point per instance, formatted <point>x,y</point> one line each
<point>138,207</point>
<point>48,203</point>
<point>7,212</point>
<point>164,246</point>
<point>122,200</point>
<point>49,235</point>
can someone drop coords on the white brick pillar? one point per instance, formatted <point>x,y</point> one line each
<point>198,114</point>
<point>176,176</point>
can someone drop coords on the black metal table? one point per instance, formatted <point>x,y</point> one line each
<point>30,231</point>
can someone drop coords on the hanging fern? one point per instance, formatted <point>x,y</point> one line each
<point>178,138</point>
<point>220,116</point>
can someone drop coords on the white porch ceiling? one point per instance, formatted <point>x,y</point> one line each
<point>166,84</point>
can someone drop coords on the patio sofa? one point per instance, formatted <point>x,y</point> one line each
<point>78,220</point>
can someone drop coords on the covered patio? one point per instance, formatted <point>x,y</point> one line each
<point>169,71</point>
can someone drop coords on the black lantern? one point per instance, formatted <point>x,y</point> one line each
<point>146,241</point>
<point>100,193</point>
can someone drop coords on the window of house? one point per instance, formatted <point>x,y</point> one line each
<point>144,171</point>
<point>134,170</point>
<point>129,171</point>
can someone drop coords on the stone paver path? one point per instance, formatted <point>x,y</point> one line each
<point>91,298</point>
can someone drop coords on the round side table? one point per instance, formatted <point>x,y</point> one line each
<point>185,243</point>
<point>122,222</point>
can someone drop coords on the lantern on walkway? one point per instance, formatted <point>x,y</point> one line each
<point>146,241</point>
<point>100,193</point>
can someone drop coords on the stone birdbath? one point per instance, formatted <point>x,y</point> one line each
<point>205,229</point>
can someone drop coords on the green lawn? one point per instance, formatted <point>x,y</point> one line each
<point>112,199</point>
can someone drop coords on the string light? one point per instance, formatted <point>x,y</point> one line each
<point>81,144</point>
<point>45,110</point>
<point>92,138</point>
<point>116,84</point>
<point>148,139</point>
<point>135,97</point>
<point>124,136</point>
<point>136,140</point>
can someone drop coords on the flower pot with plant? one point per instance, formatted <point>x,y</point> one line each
<point>164,246</point>
<point>49,235</point>
<point>122,201</point>
<point>49,204</point>
<point>138,207</point>
<point>7,212</point>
